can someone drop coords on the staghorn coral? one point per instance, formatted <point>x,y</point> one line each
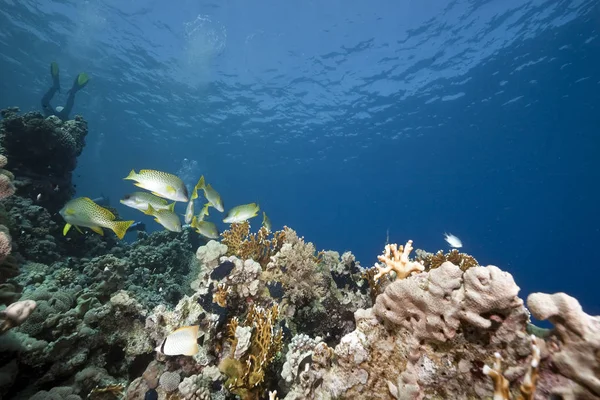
<point>396,259</point>
<point>246,374</point>
<point>258,246</point>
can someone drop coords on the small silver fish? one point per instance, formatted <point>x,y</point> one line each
<point>452,240</point>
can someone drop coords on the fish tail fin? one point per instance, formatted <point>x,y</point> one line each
<point>120,228</point>
<point>201,183</point>
<point>194,222</point>
<point>131,175</point>
<point>150,210</point>
<point>171,207</point>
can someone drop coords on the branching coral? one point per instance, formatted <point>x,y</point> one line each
<point>296,267</point>
<point>501,384</point>
<point>431,261</point>
<point>114,391</point>
<point>258,246</point>
<point>246,369</point>
<point>396,259</point>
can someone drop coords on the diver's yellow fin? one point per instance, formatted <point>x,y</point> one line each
<point>120,227</point>
<point>171,189</point>
<point>98,230</point>
<point>131,176</point>
<point>66,229</point>
<point>82,79</point>
<point>54,69</point>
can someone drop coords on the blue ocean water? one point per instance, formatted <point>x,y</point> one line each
<point>344,120</point>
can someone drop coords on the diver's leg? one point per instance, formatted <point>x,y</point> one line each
<point>64,113</point>
<point>48,109</point>
<point>46,106</point>
<point>80,81</point>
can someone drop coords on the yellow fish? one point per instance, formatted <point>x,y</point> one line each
<point>160,183</point>
<point>205,228</point>
<point>141,200</point>
<point>166,218</point>
<point>189,211</point>
<point>242,213</point>
<point>204,212</point>
<point>213,197</point>
<point>83,212</point>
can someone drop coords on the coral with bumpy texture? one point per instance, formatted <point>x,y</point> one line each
<point>295,266</point>
<point>433,304</point>
<point>15,314</point>
<point>7,188</point>
<point>169,381</point>
<point>577,355</point>
<point>42,154</point>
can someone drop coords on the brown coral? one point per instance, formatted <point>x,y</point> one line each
<point>431,261</point>
<point>258,246</point>
<point>502,385</point>
<point>295,267</point>
<point>246,373</point>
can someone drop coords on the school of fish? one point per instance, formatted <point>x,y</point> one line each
<point>162,191</point>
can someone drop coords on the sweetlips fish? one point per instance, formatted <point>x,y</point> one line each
<point>189,211</point>
<point>266,222</point>
<point>242,213</point>
<point>213,197</point>
<point>83,212</point>
<point>205,228</point>
<point>203,213</point>
<point>166,218</point>
<point>182,341</point>
<point>141,201</point>
<point>160,183</point>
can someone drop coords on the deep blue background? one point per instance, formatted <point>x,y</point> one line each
<point>346,119</point>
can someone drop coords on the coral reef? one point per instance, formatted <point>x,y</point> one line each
<point>42,154</point>
<point>258,246</point>
<point>276,318</point>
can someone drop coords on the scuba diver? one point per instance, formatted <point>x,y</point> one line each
<point>137,226</point>
<point>62,112</point>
